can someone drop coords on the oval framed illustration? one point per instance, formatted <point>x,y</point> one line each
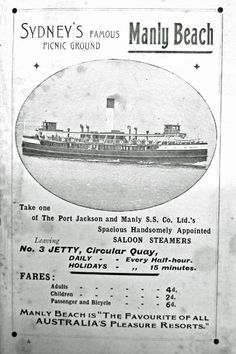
<point>116,135</point>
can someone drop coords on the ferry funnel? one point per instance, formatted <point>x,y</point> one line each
<point>110,114</point>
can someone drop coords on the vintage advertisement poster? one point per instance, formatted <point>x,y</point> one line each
<point>117,190</point>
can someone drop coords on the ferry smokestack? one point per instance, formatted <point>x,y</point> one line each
<point>135,132</point>
<point>82,128</point>
<point>147,132</point>
<point>129,129</point>
<point>87,127</point>
<point>110,114</point>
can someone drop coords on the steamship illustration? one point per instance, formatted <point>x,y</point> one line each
<point>169,147</point>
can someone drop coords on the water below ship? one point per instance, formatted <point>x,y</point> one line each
<point>113,186</point>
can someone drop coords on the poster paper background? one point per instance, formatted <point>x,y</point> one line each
<point>207,292</point>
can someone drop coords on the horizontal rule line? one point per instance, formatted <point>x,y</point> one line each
<point>115,273</point>
<point>173,51</point>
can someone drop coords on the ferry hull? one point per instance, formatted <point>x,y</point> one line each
<point>170,156</point>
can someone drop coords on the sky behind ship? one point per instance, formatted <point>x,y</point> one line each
<point>146,97</point>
